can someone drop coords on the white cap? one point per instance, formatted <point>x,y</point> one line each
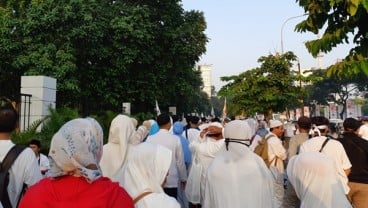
<point>275,123</point>
<point>237,129</point>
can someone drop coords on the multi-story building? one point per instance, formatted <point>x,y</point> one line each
<point>206,77</point>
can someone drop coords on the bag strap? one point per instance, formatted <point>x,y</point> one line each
<point>251,140</point>
<point>274,159</point>
<point>269,136</point>
<point>10,157</point>
<point>324,144</point>
<point>141,196</point>
<point>5,165</point>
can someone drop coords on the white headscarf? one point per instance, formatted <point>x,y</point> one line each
<point>76,148</point>
<point>145,171</point>
<point>121,129</point>
<point>315,179</point>
<point>237,177</point>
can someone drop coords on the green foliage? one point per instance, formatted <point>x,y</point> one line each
<point>342,18</point>
<point>143,116</point>
<point>104,53</point>
<point>51,124</point>
<point>104,118</point>
<point>264,89</point>
<point>365,109</point>
<point>331,88</point>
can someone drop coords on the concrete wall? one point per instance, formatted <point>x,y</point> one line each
<point>43,91</point>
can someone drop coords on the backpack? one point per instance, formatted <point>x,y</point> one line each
<point>5,165</point>
<point>262,149</point>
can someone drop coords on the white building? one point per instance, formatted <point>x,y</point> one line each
<point>206,70</point>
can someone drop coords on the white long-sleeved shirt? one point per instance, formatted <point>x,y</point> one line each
<point>24,170</point>
<point>275,148</point>
<point>43,163</point>
<point>205,150</point>
<point>177,170</point>
<point>191,134</point>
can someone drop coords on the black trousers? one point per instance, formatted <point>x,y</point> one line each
<point>194,205</point>
<point>173,192</point>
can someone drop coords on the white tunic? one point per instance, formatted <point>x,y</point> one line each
<point>333,149</point>
<point>192,134</point>
<point>316,182</point>
<point>238,178</point>
<point>276,149</point>
<point>205,150</point>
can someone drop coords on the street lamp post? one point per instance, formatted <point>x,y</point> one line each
<point>282,29</point>
<point>300,88</point>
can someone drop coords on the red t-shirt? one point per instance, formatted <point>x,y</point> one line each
<point>70,192</point>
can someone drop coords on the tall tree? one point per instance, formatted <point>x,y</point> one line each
<point>104,53</point>
<point>332,88</point>
<point>266,89</point>
<point>337,20</point>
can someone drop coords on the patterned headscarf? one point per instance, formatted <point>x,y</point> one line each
<point>76,149</point>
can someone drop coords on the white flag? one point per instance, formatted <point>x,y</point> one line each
<point>212,112</point>
<point>224,110</point>
<point>158,112</point>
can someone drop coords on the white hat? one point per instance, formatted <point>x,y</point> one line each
<point>237,129</point>
<point>275,123</point>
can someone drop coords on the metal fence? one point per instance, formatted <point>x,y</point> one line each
<point>25,110</point>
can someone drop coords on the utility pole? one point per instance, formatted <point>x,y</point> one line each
<point>300,88</point>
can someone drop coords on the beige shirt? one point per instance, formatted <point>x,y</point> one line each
<point>295,143</point>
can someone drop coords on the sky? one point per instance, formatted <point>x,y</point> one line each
<point>242,31</point>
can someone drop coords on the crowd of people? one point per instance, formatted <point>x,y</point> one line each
<point>188,163</point>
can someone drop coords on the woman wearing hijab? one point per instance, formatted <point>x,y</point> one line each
<point>122,134</point>
<point>144,175</point>
<point>237,177</point>
<point>315,179</point>
<point>75,177</point>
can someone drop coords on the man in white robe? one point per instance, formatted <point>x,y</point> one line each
<point>237,177</point>
<point>205,147</point>
<point>330,147</point>
<point>315,179</point>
